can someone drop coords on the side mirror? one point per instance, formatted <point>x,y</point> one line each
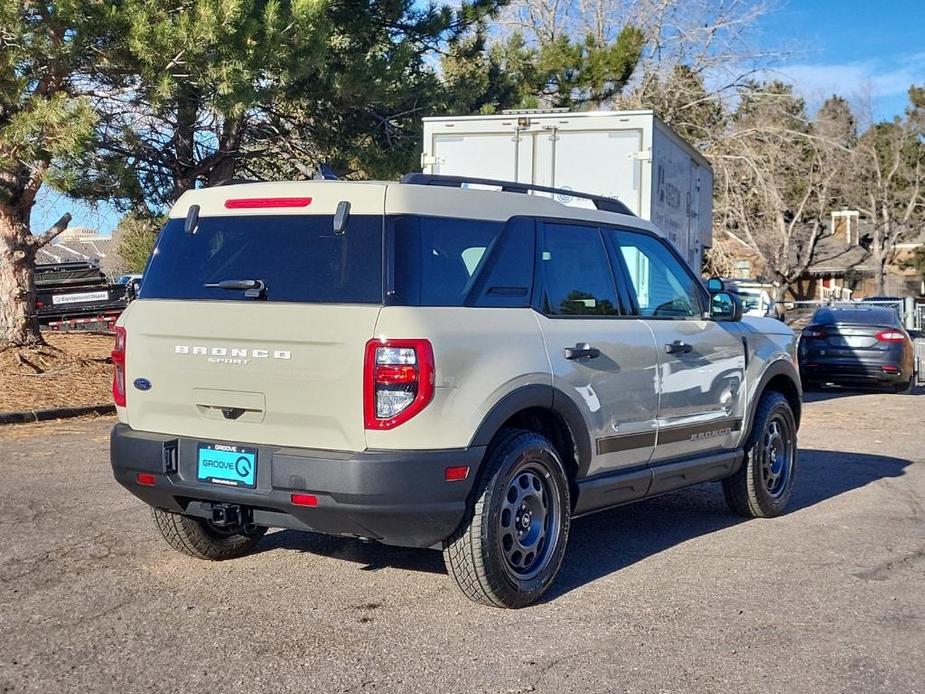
<point>725,306</point>
<point>715,284</point>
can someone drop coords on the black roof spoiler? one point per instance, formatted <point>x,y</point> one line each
<point>605,204</point>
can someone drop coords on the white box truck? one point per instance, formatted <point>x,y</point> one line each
<point>629,155</point>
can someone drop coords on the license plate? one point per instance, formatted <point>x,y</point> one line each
<point>231,466</point>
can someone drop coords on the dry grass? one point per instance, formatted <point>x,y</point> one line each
<point>73,370</point>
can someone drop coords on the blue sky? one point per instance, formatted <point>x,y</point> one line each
<point>850,47</point>
<point>861,49</point>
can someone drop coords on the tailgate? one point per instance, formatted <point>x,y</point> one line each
<point>282,374</point>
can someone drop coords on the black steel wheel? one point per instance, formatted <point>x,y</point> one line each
<point>762,486</point>
<point>510,545</point>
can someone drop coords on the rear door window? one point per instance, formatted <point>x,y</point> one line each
<point>298,257</point>
<point>577,279</point>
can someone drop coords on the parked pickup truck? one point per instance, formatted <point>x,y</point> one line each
<point>74,291</point>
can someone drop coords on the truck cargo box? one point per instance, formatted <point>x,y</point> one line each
<point>630,155</point>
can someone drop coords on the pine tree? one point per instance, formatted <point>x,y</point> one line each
<point>48,52</point>
<point>215,90</point>
<point>559,73</point>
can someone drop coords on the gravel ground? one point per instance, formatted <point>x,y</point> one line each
<point>670,595</point>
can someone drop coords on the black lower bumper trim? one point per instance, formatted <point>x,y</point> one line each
<point>396,497</point>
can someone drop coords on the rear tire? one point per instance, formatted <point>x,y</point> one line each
<point>196,537</point>
<point>510,545</point>
<point>763,484</point>
<point>905,387</point>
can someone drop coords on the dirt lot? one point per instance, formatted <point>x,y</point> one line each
<point>75,371</point>
<point>671,595</point>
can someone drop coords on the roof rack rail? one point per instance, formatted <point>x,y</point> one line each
<point>234,182</point>
<point>601,202</point>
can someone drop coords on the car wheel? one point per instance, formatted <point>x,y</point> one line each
<point>197,537</point>
<point>763,484</point>
<point>509,548</point>
<point>905,387</point>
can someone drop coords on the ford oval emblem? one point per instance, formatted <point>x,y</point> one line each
<point>142,384</point>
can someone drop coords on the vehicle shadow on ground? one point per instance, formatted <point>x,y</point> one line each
<point>605,543</point>
<point>822,394</point>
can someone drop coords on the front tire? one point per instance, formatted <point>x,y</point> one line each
<point>510,545</point>
<point>763,484</point>
<point>197,537</point>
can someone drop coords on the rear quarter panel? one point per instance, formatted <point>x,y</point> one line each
<point>480,355</point>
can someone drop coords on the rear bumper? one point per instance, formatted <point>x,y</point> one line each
<point>854,373</point>
<point>396,497</point>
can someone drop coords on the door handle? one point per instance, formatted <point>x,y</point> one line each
<point>678,347</point>
<point>582,350</point>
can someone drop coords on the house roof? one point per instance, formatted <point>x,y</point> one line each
<point>833,255</point>
<point>61,251</point>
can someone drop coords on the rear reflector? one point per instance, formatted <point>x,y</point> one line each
<point>145,478</point>
<point>261,203</point>
<point>455,474</point>
<point>304,499</point>
<point>890,369</point>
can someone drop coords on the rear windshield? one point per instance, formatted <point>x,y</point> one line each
<point>864,316</point>
<point>299,258</point>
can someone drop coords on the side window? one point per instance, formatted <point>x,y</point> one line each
<point>436,258</point>
<point>576,273</point>
<point>662,286</point>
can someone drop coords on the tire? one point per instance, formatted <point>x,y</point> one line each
<point>763,484</point>
<point>199,538</point>
<point>905,387</point>
<point>510,545</point>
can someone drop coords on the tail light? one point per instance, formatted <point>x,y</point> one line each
<point>118,362</point>
<point>891,336</point>
<point>815,333</point>
<point>398,381</point>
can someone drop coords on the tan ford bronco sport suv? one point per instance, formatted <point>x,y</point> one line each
<point>431,364</point>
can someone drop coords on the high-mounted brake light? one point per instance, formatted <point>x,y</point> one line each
<point>260,203</point>
<point>891,336</point>
<point>398,381</point>
<point>118,363</point>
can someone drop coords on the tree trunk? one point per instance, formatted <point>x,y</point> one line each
<point>879,264</point>
<point>19,326</point>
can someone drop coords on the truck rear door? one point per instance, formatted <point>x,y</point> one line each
<point>604,162</point>
<point>493,148</point>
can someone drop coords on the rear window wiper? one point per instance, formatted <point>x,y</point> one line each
<point>253,289</point>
